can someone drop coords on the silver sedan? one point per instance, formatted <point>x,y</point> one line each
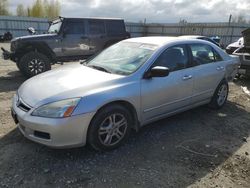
<point>128,85</point>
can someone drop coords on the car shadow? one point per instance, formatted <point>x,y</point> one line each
<point>173,152</point>
<point>11,81</point>
<point>243,81</point>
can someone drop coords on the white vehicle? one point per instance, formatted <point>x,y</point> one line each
<point>235,45</point>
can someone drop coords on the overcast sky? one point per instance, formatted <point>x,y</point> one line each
<point>161,11</point>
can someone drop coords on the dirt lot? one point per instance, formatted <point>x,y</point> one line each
<point>198,148</point>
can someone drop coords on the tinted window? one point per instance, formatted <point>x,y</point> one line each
<point>217,56</point>
<point>209,40</point>
<point>115,27</point>
<point>203,54</point>
<point>96,27</point>
<point>75,28</point>
<point>175,58</point>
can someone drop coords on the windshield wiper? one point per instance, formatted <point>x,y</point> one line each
<point>99,68</point>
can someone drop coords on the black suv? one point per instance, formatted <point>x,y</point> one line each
<point>67,39</point>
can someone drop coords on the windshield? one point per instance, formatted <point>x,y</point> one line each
<point>122,58</point>
<point>55,26</point>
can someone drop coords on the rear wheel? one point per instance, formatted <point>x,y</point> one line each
<point>220,95</point>
<point>34,63</point>
<point>109,128</point>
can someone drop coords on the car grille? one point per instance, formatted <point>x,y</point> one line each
<point>23,106</point>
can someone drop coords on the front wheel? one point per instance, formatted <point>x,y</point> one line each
<point>220,95</point>
<point>109,128</point>
<point>34,63</point>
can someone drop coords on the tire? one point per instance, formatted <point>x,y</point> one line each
<point>220,95</point>
<point>18,65</point>
<point>34,63</point>
<point>103,135</point>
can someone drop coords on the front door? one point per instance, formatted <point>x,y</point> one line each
<point>163,95</point>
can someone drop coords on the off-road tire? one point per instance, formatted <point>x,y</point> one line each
<point>34,63</point>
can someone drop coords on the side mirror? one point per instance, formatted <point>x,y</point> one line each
<point>31,30</point>
<point>157,71</point>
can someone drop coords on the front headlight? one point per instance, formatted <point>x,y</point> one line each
<point>59,109</point>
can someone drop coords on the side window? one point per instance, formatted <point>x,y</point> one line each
<point>175,58</point>
<point>115,27</point>
<point>75,28</point>
<point>203,54</point>
<point>217,56</point>
<point>96,27</point>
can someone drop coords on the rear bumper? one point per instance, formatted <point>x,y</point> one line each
<point>7,55</point>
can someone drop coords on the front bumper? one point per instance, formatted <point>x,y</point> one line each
<point>7,55</point>
<point>53,132</point>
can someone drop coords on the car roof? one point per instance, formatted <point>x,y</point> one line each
<point>192,36</point>
<point>161,40</point>
<point>153,40</point>
<point>88,18</point>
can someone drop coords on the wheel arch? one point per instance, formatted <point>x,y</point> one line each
<point>130,107</point>
<point>40,47</point>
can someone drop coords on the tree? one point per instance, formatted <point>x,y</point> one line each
<point>4,7</point>
<point>44,9</point>
<point>239,19</point>
<point>52,8</point>
<point>37,9</point>
<point>20,11</point>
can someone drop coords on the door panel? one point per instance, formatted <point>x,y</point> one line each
<point>209,71</point>
<point>166,94</point>
<point>162,95</point>
<point>97,35</point>
<point>75,41</point>
<point>207,78</point>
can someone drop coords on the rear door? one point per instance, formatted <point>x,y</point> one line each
<point>208,68</point>
<point>163,95</point>
<point>116,31</point>
<point>75,40</point>
<point>97,35</point>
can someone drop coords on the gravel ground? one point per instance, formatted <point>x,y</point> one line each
<point>197,148</point>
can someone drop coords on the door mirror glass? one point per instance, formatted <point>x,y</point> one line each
<point>157,71</point>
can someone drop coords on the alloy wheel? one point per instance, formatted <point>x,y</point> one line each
<point>222,94</point>
<point>36,66</point>
<point>112,129</point>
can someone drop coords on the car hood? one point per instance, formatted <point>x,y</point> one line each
<point>66,82</point>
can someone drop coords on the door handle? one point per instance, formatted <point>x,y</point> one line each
<point>219,68</point>
<point>187,77</point>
